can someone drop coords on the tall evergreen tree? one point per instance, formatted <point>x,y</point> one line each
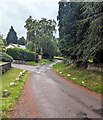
<point>12,36</point>
<point>81,29</point>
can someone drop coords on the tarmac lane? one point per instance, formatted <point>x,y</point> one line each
<point>55,97</point>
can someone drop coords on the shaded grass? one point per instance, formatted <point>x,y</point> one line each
<point>41,62</point>
<point>58,57</point>
<point>1,63</point>
<point>83,77</point>
<point>14,91</point>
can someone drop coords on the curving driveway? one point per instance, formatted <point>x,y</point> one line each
<point>55,97</point>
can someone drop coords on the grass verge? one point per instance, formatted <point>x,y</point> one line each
<point>58,58</point>
<point>13,91</point>
<point>41,62</point>
<point>1,63</point>
<point>83,77</point>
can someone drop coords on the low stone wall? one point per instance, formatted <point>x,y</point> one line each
<point>97,67</point>
<point>4,68</point>
<point>19,61</point>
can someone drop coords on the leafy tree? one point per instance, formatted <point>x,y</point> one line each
<point>49,47</point>
<point>12,36</point>
<point>30,46</point>
<point>39,34</point>
<point>22,41</point>
<point>2,46</point>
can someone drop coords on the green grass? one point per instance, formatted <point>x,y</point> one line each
<point>58,57</point>
<point>83,77</point>
<point>1,63</point>
<point>41,62</point>
<point>14,91</point>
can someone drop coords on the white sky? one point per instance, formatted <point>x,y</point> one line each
<point>15,12</point>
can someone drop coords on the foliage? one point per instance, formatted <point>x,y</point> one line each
<point>40,62</point>
<point>14,92</point>
<point>58,58</point>
<point>30,46</point>
<point>22,41</point>
<point>22,54</point>
<point>80,30</point>
<point>11,36</point>
<point>49,47</point>
<point>2,46</point>
<point>40,33</point>
<point>4,57</point>
<point>83,77</point>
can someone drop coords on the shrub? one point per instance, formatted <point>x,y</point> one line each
<point>2,46</point>
<point>4,57</point>
<point>22,54</point>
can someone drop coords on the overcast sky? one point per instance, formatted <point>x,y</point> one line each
<point>15,12</point>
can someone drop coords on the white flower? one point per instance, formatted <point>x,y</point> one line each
<point>82,82</point>
<point>68,75</point>
<point>57,70</point>
<point>24,71</point>
<point>60,72</point>
<point>21,73</point>
<point>12,84</point>
<point>5,90</point>
<point>17,78</point>
<point>74,78</point>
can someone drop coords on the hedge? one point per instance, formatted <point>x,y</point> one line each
<point>22,54</point>
<point>4,57</point>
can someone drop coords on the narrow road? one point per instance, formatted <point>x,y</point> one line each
<point>55,97</point>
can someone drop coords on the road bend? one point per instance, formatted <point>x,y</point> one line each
<point>56,97</point>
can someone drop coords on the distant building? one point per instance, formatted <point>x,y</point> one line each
<point>15,46</point>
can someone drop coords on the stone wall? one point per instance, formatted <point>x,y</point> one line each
<point>4,68</point>
<point>97,67</point>
<point>19,61</point>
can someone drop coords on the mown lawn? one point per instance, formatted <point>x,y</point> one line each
<point>41,62</point>
<point>83,77</point>
<point>13,91</point>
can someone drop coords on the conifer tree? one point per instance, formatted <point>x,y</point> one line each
<point>12,36</point>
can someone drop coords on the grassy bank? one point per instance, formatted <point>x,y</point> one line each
<point>58,58</point>
<point>86,78</point>
<point>1,63</point>
<point>13,91</point>
<point>41,62</point>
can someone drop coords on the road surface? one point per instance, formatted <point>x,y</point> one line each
<point>57,98</point>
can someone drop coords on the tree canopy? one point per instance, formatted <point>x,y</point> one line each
<point>22,41</point>
<point>81,30</point>
<point>40,36</point>
<point>2,45</point>
<point>12,36</point>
